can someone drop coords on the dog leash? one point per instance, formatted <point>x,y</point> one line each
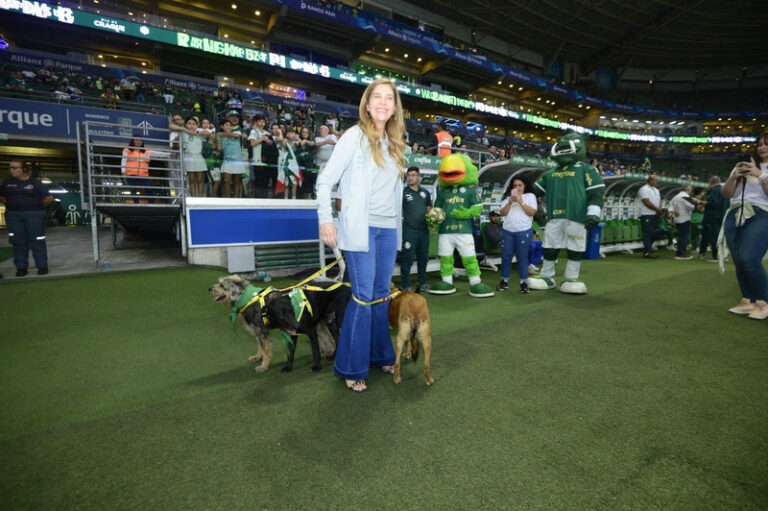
<point>380,300</point>
<point>316,274</point>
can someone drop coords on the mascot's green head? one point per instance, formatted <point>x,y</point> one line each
<point>457,169</point>
<point>570,148</point>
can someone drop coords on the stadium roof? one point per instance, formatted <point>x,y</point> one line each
<point>654,34</point>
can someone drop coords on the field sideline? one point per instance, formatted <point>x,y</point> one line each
<point>133,391</point>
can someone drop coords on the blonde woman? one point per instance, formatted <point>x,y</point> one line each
<point>367,163</point>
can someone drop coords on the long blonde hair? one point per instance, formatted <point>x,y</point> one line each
<point>394,128</point>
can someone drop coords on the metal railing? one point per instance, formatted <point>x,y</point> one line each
<point>104,183</point>
<point>90,101</point>
<point>154,202</point>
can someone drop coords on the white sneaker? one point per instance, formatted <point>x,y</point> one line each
<point>744,307</point>
<point>760,311</point>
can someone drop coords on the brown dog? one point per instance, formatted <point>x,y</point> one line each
<point>408,313</point>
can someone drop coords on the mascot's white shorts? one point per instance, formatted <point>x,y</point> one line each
<point>564,233</point>
<point>464,243</point>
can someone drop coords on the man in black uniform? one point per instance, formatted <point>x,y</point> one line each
<point>25,200</point>
<point>416,203</point>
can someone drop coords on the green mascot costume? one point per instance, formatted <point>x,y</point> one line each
<point>574,194</point>
<point>457,196</point>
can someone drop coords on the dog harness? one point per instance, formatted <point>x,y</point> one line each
<point>252,294</point>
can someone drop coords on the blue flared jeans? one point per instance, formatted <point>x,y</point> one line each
<point>364,340</point>
<point>748,245</point>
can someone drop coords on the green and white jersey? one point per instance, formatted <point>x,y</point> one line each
<point>452,198</point>
<point>415,203</point>
<point>569,190</point>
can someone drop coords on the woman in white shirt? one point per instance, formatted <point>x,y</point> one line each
<point>368,164</point>
<point>517,232</point>
<point>745,229</point>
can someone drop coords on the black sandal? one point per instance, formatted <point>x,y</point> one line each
<point>357,386</point>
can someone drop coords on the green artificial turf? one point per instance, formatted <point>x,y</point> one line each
<point>6,253</point>
<point>133,391</point>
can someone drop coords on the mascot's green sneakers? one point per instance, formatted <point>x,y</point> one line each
<point>573,287</point>
<point>480,290</point>
<point>442,288</point>
<point>541,283</point>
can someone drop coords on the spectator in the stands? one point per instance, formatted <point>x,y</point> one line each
<point>110,98</point>
<point>61,94</point>
<point>443,140</point>
<point>194,163</point>
<point>305,155</point>
<point>289,176</point>
<point>212,158</point>
<point>169,93</point>
<point>128,88</point>
<point>325,142</point>
<point>257,138</point>
<point>235,102</point>
<point>491,156</point>
<point>17,81</point>
<point>233,166</point>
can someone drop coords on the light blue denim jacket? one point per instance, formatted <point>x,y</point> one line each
<point>352,166</point>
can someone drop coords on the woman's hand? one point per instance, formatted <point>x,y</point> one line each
<point>750,169</point>
<point>328,234</point>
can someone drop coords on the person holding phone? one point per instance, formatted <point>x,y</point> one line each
<point>517,231</point>
<point>745,229</point>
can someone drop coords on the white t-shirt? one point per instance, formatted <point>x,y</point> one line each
<point>651,193</point>
<point>754,192</point>
<point>324,151</point>
<point>681,207</point>
<point>255,134</point>
<point>517,220</point>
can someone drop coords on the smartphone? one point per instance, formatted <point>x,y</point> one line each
<point>513,194</point>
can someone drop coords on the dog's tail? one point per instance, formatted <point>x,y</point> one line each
<point>413,341</point>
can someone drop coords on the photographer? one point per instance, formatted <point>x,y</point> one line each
<point>746,229</point>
